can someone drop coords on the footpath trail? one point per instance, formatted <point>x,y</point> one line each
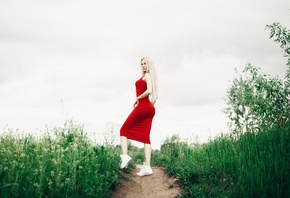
<point>157,185</point>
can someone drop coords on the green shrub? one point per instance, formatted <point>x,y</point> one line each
<point>65,164</point>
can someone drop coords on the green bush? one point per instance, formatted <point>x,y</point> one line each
<point>65,164</point>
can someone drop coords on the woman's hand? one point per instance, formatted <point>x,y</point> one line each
<point>136,103</point>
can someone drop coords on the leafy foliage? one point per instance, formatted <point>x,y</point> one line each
<point>66,164</point>
<point>255,99</point>
<point>281,35</point>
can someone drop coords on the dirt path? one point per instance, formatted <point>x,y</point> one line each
<point>157,185</point>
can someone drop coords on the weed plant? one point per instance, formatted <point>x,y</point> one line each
<point>63,164</point>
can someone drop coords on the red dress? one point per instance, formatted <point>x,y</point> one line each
<point>138,124</point>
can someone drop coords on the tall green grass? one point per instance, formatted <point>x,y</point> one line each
<point>62,163</point>
<point>251,165</point>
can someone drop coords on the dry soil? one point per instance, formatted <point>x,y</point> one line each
<point>157,185</point>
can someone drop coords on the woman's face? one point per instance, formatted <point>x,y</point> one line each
<point>144,65</point>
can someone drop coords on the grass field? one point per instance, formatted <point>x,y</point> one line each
<point>66,164</point>
<point>251,165</point>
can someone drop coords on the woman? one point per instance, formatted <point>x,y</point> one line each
<point>138,124</point>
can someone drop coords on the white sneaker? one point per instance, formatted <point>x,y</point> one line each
<point>125,160</point>
<point>146,170</point>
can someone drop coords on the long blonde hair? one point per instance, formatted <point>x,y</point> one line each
<point>152,71</point>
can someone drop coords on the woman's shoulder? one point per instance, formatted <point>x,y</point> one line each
<point>147,74</point>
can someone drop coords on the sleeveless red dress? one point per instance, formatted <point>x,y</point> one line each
<point>137,126</point>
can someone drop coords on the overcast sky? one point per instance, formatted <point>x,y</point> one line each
<point>68,58</point>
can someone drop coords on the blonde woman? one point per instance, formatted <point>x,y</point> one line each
<point>138,124</point>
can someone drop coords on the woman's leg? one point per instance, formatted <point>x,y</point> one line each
<point>146,169</point>
<point>125,158</point>
<point>124,144</point>
<point>147,152</point>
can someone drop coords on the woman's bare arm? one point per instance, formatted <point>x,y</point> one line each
<point>147,92</point>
